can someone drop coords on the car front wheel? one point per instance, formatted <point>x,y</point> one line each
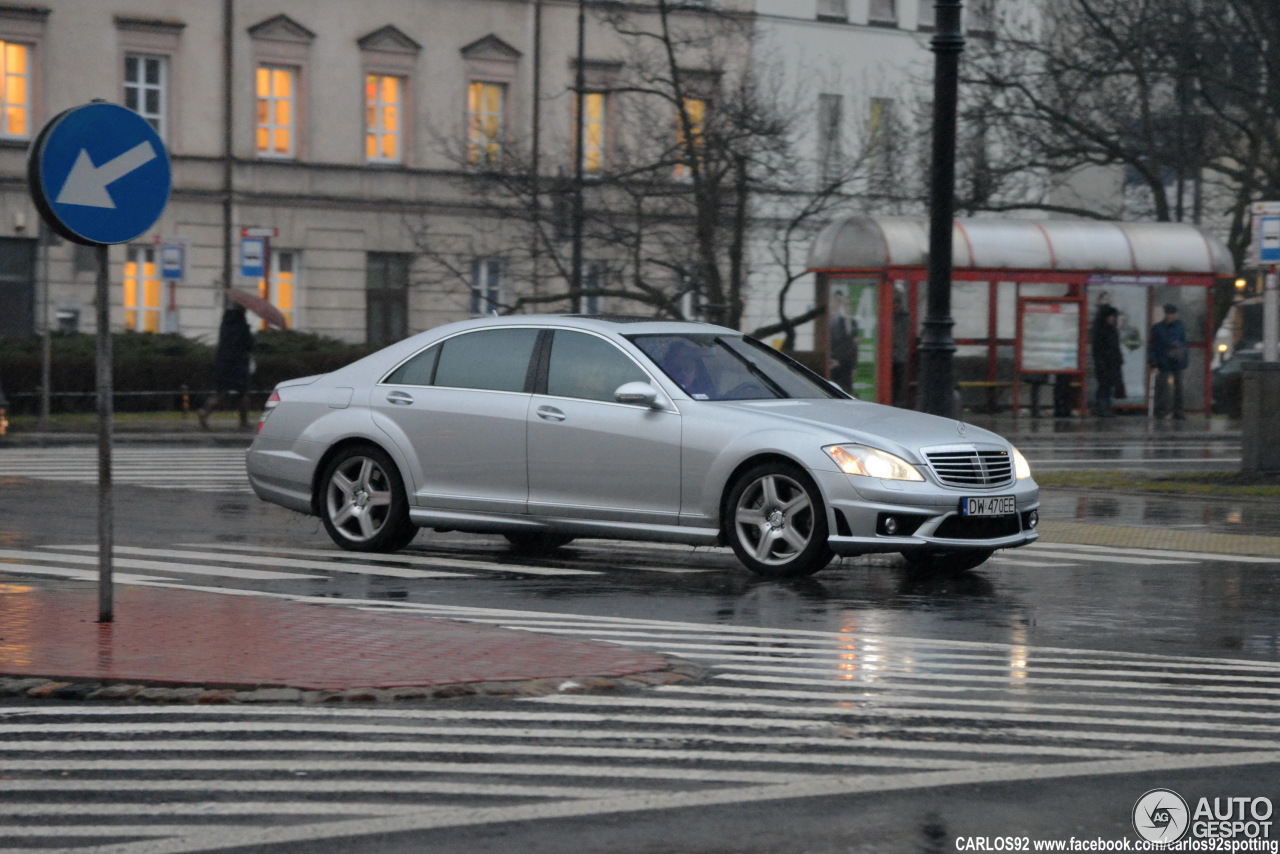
<point>363,505</point>
<point>777,523</point>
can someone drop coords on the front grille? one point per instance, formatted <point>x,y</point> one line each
<point>972,467</point>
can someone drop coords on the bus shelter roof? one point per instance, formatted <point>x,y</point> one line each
<point>879,242</point>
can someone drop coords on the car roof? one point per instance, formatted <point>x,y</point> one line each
<point>614,324</point>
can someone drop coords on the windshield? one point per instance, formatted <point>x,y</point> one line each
<point>731,367</point>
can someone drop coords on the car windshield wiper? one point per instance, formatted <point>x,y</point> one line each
<point>756,370</point>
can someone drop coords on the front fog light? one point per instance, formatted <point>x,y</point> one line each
<point>1033,519</point>
<point>871,462</point>
<point>890,525</point>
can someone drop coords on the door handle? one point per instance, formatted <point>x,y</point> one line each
<point>400,398</point>
<point>550,413</point>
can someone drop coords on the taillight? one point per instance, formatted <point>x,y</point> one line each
<point>272,403</point>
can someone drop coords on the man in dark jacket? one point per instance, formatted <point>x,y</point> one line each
<point>1108,359</point>
<point>231,365</point>
<point>1167,353</point>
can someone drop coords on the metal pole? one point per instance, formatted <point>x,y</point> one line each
<point>579,86</point>
<point>228,138</point>
<point>46,344</point>
<point>936,344</point>
<point>1271,317</point>
<point>105,414</point>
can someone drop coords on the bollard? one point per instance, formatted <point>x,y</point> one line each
<point>1259,429</point>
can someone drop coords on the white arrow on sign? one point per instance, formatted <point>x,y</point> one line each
<point>87,184</point>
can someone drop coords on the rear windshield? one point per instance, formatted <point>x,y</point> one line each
<point>731,367</point>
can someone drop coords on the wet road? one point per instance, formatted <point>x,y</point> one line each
<point>1038,697</point>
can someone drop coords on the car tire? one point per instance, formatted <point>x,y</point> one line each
<point>951,563</point>
<point>539,543</point>
<point>776,522</point>
<point>362,501</point>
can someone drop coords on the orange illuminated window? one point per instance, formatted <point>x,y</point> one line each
<point>592,130</point>
<point>695,109</point>
<point>15,90</point>
<point>484,123</point>
<point>277,111</point>
<point>382,108</point>
<point>283,290</point>
<point>142,290</point>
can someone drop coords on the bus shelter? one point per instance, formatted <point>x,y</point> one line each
<point>1024,293</point>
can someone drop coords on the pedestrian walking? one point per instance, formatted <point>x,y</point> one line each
<point>1108,359</point>
<point>1167,353</point>
<point>231,366</point>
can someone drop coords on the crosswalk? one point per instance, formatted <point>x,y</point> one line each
<point>204,469</point>
<point>779,714</point>
<point>259,568</point>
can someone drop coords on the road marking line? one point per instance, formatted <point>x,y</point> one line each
<point>164,566</point>
<point>1166,553</point>
<point>368,787</point>
<point>419,560</point>
<point>78,574</point>
<point>330,566</point>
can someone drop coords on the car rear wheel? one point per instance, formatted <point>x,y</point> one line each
<point>948,562</point>
<point>537,543</point>
<point>363,506</point>
<point>777,523</point>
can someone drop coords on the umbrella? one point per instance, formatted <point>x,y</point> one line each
<point>268,312</point>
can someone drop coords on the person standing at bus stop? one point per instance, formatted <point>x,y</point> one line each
<point>1108,359</point>
<point>231,365</point>
<point>1167,353</point>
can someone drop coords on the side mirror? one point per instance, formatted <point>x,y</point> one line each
<point>637,394</point>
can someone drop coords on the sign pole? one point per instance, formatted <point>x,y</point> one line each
<point>106,516</point>
<point>1270,317</point>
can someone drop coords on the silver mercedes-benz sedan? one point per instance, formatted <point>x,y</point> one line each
<point>547,428</point>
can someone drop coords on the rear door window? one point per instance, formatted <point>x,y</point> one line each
<point>490,360</point>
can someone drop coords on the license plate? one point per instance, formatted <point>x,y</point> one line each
<point>988,505</point>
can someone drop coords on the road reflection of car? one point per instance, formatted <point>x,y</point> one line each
<point>1228,382</point>
<point>549,428</point>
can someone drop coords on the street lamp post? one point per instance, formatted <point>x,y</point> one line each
<point>937,347</point>
<point>579,88</point>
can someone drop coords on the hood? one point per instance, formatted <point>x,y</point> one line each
<point>900,431</point>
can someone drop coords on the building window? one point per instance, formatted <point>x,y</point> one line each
<point>486,285</point>
<point>883,12</point>
<point>833,10</point>
<point>145,82</point>
<point>383,98</point>
<point>142,290</point>
<point>15,97</point>
<point>927,16</point>
<point>277,89</point>
<point>980,17</point>
<point>695,112</point>
<point>881,145</point>
<point>591,139</point>
<point>830,142</point>
<point>282,289</point>
<point>387,297</point>
<point>484,122</point>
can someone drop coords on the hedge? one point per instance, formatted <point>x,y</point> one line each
<point>151,371</point>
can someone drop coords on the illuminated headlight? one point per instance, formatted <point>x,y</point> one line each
<point>1021,469</point>
<point>871,462</point>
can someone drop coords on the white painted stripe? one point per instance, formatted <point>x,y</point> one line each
<point>301,786</point>
<point>293,766</point>
<point>416,560</point>
<point>865,692</point>
<point>1165,553</point>
<point>163,566</point>
<point>1038,550</point>
<point>255,560</point>
<point>74,831</point>
<point>206,808</point>
<point>1034,564</point>
<point>77,574</point>
<point>631,803</point>
<point>678,754</point>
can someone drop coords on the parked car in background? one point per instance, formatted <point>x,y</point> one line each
<point>549,428</point>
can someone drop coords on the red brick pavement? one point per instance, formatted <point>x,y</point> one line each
<point>188,638</point>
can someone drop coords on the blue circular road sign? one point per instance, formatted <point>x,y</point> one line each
<point>99,174</point>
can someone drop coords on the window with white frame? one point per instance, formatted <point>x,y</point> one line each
<point>833,10</point>
<point>926,15</point>
<point>980,16</point>
<point>830,141</point>
<point>15,90</point>
<point>277,114</point>
<point>142,290</point>
<point>883,12</point>
<point>383,110</point>
<point>484,122</point>
<point>486,285</point>
<point>145,86</point>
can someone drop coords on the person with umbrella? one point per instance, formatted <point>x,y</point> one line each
<point>231,365</point>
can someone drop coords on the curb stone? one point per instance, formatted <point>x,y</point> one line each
<point>36,688</point>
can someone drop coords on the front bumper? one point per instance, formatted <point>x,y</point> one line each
<point>926,516</point>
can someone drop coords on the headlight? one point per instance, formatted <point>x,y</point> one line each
<point>1021,469</point>
<point>871,462</point>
